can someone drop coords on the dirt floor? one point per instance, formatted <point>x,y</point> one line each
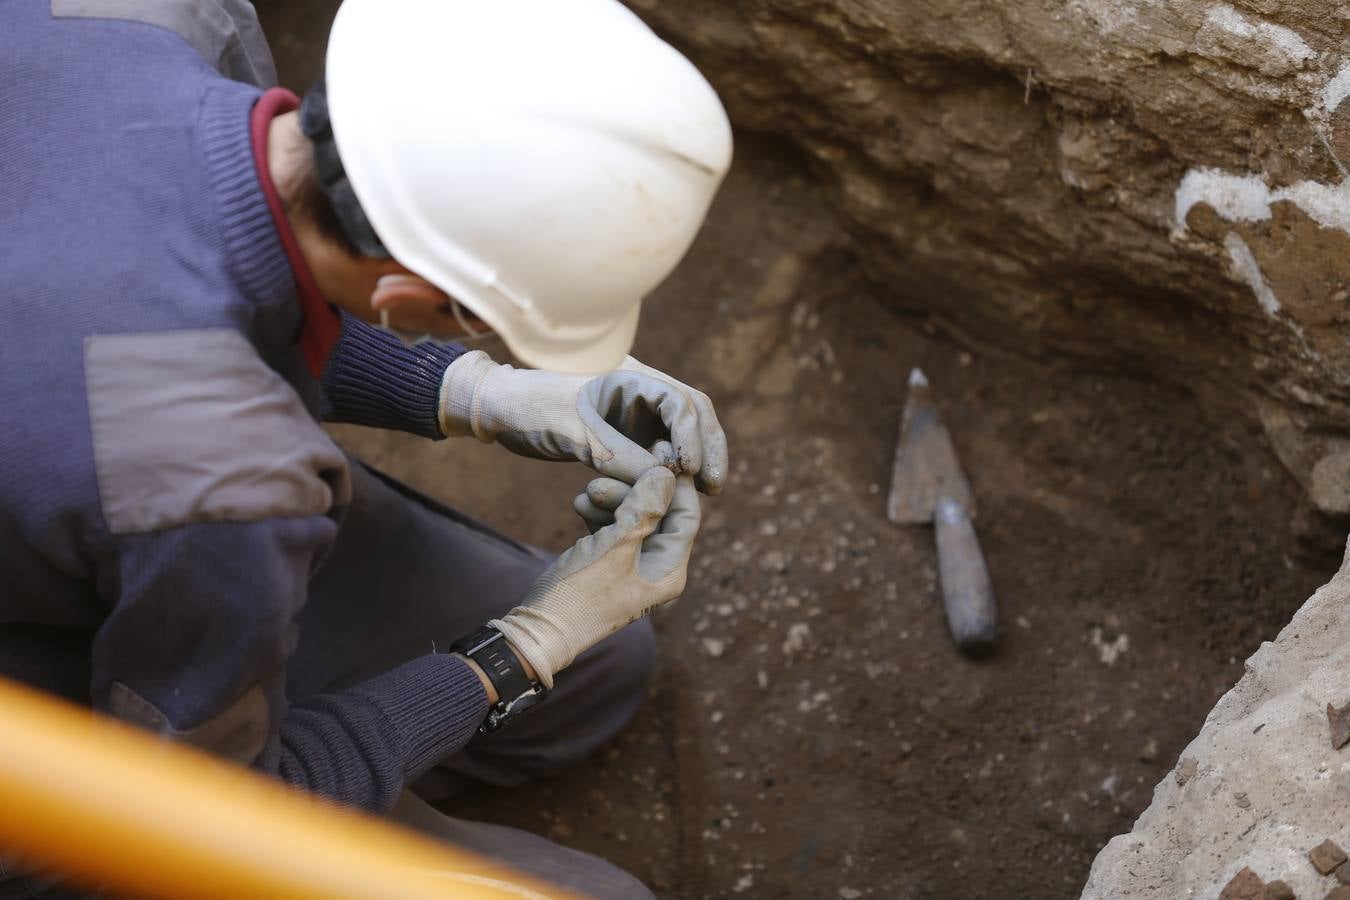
<point>810,731</point>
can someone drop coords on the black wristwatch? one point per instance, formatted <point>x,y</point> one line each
<point>515,691</point>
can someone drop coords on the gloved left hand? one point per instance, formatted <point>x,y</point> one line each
<point>610,422</point>
<point>617,575</point>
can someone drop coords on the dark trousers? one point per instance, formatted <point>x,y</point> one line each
<point>408,573</point>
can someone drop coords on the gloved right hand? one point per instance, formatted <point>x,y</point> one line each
<point>611,578</point>
<point>609,422</point>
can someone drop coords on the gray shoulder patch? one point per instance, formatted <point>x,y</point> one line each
<point>239,733</point>
<point>191,426</point>
<point>225,32</point>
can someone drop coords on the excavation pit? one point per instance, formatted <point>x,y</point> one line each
<point>810,731</point>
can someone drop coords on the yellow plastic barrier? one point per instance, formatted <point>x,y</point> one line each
<point>111,805</point>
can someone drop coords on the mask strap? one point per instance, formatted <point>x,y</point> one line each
<point>474,335</point>
<point>464,323</point>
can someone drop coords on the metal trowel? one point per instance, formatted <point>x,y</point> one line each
<point>928,486</point>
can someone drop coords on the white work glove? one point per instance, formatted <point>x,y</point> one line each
<point>609,422</point>
<point>611,578</point>
<point>601,499</point>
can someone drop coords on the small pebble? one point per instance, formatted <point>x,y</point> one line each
<point>1240,798</point>
<point>796,637</point>
<point>1339,720</point>
<point>1326,857</point>
<point>1246,885</point>
<point>1340,893</point>
<point>1278,890</point>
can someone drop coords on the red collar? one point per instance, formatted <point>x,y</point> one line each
<point>322,325</point>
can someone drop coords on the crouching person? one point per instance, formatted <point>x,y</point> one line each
<point>198,269</point>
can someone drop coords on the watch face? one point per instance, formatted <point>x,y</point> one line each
<point>507,711</point>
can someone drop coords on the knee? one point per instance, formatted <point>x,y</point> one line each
<point>605,687</point>
<point>593,699</point>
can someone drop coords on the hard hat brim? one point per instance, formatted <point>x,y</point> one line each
<point>593,357</point>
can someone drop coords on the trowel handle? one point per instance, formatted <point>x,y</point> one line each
<point>967,592</point>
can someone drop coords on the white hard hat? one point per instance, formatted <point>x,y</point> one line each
<point>545,162</point>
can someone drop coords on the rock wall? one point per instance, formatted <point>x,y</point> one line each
<point>1261,785</point>
<point>1152,184</point>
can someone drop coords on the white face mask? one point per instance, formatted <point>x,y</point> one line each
<point>413,338</point>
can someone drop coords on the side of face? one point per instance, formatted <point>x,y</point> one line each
<point>383,292</point>
<point>410,303</point>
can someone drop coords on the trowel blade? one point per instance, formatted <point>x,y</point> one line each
<point>925,466</point>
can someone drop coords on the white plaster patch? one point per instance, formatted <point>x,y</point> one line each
<point>1283,40</point>
<point>1326,204</point>
<point>1237,198</point>
<point>1337,89</point>
<point>1249,269</point>
<point>1230,20</point>
<point>1247,198</point>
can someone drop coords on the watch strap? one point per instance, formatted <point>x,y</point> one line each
<point>515,691</point>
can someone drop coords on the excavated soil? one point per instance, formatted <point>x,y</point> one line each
<point>810,731</point>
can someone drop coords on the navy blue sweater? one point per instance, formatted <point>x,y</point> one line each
<point>165,489</point>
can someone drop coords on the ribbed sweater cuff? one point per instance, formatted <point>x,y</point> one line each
<point>374,379</point>
<point>434,704</point>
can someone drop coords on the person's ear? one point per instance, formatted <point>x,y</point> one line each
<point>406,292</point>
